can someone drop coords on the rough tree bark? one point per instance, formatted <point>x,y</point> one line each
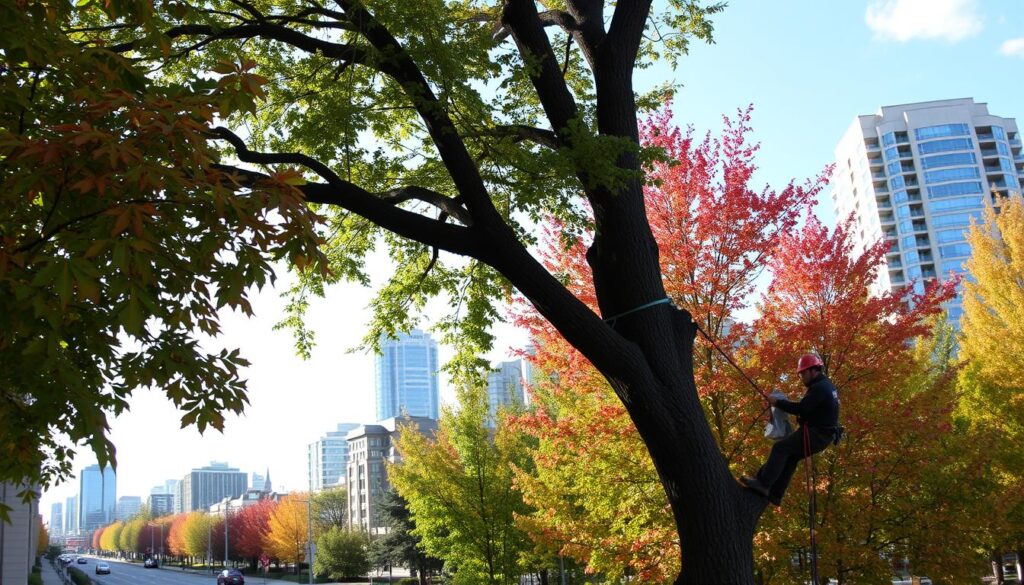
<point>647,355</point>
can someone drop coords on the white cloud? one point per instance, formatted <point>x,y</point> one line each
<point>904,20</point>
<point>1013,47</point>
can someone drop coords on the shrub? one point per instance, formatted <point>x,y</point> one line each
<point>79,577</point>
<point>35,579</point>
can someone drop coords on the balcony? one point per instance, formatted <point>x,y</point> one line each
<point>925,256</point>
<point>1014,142</point>
<point>878,175</point>
<point>987,152</point>
<point>985,137</point>
<point>872,146</point>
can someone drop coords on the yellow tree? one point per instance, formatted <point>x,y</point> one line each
<point>196,534</point>
<point>993,349</point>
<point>110,537</point>
<point>288,529</point>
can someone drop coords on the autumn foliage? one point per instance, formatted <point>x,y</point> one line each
<point>599,499</point>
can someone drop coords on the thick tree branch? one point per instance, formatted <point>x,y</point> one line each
<point>626,31</point>
<point>276,32</point>
<point>443,133</point>
<point>521,17</point>
<point>448,205</point>
<point>522,132</point>
<point>431,232</point>
<point>557,18</point>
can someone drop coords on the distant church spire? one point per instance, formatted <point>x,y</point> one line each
<point>267,488</point>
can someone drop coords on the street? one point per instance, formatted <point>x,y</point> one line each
<point>123,573</point>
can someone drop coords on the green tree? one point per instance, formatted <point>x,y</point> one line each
<point>399,545</point>
<point>342,553</point>
<point>330,508</point>
<point>424,126</point>
<point>106,283</point>
<point>459,486</point>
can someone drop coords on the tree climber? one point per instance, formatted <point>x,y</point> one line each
<point>818,415</point>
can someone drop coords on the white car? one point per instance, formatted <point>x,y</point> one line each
<point>102,569</point>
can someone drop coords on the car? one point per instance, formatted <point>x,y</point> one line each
<point>102,569</point>
<point>81,561</point>
<point>230,577</point>
<point>149,563</point>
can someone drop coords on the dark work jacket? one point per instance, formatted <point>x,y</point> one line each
<point>819,408</point>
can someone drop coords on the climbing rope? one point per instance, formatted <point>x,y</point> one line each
<point>812,502</point>
<point>808,459</point>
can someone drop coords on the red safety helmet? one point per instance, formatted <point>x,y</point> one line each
<point>808,360</point>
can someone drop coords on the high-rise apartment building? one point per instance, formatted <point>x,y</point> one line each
<point>327,457</point>
<point>207,485</point>
<point>97,497</point>
<point>915,175</point>
<point>406,372</point>
<point>71,515</point>
<point>160,504</point>
<point>57,519</point>
<point>370,446</point>
<point>504,388</point>
<point>128,506</point>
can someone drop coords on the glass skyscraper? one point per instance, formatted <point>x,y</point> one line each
<point>97,497</point>
<point>915,175</point>
<point>504,388</point>
<point>71,515</point>
<point>406,372</point>
<point>328,457</point>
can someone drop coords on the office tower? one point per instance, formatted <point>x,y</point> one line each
<point>915,175</point>
<point>406,371</point>
<point>370,446</point>
<point>504,388</point>
<point>171,487</point>
<point>160,504</point>
<point>97,501</point>
<point>71,515</point>
<point>327,457</point>
<point>57,519</point>
<point>128,506</point>
<point>210,484</point>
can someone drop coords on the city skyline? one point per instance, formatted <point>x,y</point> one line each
<point>293,401</point>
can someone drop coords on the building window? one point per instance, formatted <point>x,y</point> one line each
<point>954,189</point>
<point>941,131</point>
<point>951,175</point>
<point>955,203</point>
<point>947,236</point>
<point>889,139</point>
<point>955,251</point>
<point>945,145</point>
<point>949,160</point>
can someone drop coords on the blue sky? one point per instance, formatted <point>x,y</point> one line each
<point>808,67</point>
<point>821,62</point>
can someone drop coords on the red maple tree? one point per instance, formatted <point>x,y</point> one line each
<point>896,394</point>
<point>249,527</point>
<point>599,499</point>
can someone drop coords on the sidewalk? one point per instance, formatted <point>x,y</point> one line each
<point>50,575</point>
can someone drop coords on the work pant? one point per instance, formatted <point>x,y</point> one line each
<point>786,453</point>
